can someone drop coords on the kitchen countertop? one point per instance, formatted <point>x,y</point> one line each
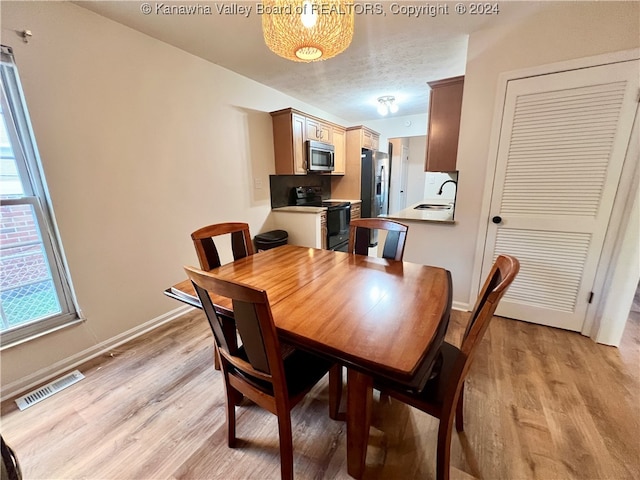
<point>301,209</point>
<point>435,216</point>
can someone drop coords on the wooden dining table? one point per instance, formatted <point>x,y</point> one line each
<point>377,317</point>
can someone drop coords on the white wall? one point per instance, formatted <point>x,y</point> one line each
<point>625,275</point>
<point>399,126</point>
<point>141,144</point>
<point>562,31</point>
<point>395,127</point>
<point>417,152</point>
<point>434,181</point>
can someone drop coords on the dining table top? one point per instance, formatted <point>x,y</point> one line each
<point>375,315</point>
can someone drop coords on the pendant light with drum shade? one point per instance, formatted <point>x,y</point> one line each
<point>307,30</point>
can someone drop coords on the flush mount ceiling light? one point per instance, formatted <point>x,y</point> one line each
<point>387,104</point>
<point>307,30</point>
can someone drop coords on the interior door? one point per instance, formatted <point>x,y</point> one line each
<point>561,149</point>
<point>404,177</point>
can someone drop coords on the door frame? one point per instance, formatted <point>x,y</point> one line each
<point>627,188</point>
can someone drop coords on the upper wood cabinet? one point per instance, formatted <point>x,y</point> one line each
<point>288,142</point>
<point>319,131</point>
<point>369,138</point>
<point>339,140</point>
<point>348,185</point>
<point>291,129</point>
<point>445,106</point>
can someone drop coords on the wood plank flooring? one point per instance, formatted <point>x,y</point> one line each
<point>540,404</point>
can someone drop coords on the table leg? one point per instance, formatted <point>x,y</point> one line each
<point>359,400</point>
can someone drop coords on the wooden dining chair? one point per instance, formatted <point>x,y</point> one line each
<point>442,397</point>
<point>208,255</point>
<point>359,234</point>
<point>258,369</point>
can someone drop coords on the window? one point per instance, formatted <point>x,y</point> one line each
<point>35,292</point>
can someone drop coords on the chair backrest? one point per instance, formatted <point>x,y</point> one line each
<point>359,234</point>
<point>502,274</point>
<point>208,255</point>
<point>260,355</point>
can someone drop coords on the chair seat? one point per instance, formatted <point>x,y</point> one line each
<point>302,371</point>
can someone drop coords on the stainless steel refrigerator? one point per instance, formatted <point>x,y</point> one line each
<point>374,187</point>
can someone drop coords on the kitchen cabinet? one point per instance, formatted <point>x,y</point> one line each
<point>317,130</point>
<point>370,139</point>
<point>288,142</point>
<point>365,137</point>
<point>323,230</point>
<point>291,129</point>
<point>445,106</point>
<point>305,228</point>
<point>357,138</point>
<point>356,210</point>
<point>340,153</point>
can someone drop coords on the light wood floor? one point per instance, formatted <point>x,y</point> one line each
<point>540,404</point>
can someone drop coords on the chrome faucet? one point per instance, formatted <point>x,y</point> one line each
<point>444,183</point>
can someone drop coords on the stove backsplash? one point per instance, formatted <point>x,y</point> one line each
<point>281,185</point>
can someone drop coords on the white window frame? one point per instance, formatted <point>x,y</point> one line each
<point>35,194</point>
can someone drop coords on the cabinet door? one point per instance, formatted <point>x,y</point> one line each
<point>444,124</point>
<point>318,131</point>
<point>299,154</point>
<point>375,142</point>
<point>288,143</point>
<point>356,211</point>
<point>323,230</point>
<point>340,146</point>
<point>367,139</point>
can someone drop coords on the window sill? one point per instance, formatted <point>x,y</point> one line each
<point>27,337</point>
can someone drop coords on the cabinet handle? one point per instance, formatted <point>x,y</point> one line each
<point>497,219</point>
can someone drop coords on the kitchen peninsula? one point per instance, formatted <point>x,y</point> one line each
<point>426,212</point>
<point>438,203</point>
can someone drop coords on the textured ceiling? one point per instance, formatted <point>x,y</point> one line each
<point>391,54</point>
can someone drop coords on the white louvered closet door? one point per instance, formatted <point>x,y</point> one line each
<point>562,146</point>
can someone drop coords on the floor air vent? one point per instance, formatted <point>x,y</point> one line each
<point>49,389</point>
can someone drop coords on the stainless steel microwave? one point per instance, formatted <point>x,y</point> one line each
<point>320,156</point>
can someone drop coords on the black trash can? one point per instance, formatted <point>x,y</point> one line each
<point>272,239</point>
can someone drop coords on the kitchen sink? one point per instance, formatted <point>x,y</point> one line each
<point>432,206</point>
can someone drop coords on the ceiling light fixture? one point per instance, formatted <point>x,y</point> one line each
<point>387,104</point>
<point>307,30</point>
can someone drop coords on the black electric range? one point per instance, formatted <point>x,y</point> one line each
<point>338,214</point>
<point>312,197</point>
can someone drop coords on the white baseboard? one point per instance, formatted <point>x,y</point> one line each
<point>461,306</point>
<point>59,368</point>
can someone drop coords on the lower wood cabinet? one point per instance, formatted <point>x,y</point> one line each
<point>356,210</point>
<point>323,230</point>
<point>304,228</point>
